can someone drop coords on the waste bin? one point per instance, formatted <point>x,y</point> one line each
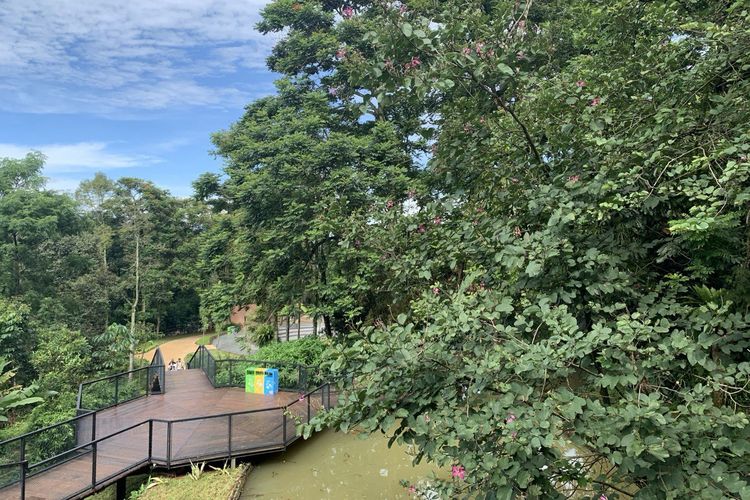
<point>250,379</point>
<point>259,380</point>
<point>271,384</point>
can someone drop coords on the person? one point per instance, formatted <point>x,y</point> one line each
<point>172,365</point>
<point>180,366</point>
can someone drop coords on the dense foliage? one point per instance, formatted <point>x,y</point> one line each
<point>83,280</point>
<point>558,299</point>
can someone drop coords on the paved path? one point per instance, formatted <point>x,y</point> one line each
<point>174,349</point>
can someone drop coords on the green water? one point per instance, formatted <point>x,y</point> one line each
<point>337,466</point>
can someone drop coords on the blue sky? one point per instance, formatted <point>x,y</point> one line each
<point>130,88</point>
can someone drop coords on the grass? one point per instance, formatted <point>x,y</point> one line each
<point>211,484</point>
<point>205,340</point>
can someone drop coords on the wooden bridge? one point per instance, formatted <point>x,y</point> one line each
<point>197,415</point>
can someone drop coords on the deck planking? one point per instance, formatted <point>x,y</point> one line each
<point>188,394</point>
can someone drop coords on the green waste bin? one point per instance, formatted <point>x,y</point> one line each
<point>250,379</point>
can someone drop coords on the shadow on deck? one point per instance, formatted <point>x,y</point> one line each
<point>191,421</point>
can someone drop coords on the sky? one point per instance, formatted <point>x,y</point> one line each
<point>127,87</point>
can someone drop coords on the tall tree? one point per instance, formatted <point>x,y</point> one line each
<point>29,215</point>
<point>299,172</point>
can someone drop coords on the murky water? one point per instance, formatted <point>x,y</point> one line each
<point>338,466</point>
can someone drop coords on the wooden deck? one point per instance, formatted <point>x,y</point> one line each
<point>188,395</point>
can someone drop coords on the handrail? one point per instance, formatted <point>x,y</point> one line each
<point>52,426</point>
<point>115,375</point>
<point>90,445</point>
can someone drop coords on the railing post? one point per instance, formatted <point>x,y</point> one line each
<point>93,426</point>
<point>329,396</point>
<point>169,444</point>
<point>283,426</point>
<point>24,464</point>
<point>150,439</point>
<point>93,465</point>
<point>308,408</point>
<point>117,389</point>
<point>229,436</point>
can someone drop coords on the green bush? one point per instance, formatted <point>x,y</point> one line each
<point>262,334</point>
<point>307,351</point>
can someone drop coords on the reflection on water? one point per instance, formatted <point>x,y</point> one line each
<point>336,465</point>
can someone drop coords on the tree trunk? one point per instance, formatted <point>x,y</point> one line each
<point>315,325</point>
<point>134,306</point>
<point>327,323</point>
<point>299,324</point>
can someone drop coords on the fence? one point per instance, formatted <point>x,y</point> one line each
<point>231,372</point>
<point>112,390</point>
<point>163,442</point>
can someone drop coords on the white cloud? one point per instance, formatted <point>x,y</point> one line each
<point>78,157</point>
<point>107,55</point>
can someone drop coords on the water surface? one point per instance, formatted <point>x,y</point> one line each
<point>338,466</point>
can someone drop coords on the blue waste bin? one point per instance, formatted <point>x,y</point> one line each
<point>271,383</point>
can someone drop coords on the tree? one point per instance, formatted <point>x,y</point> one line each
<point>578,272</point>
<point>62,358</point>
<point>299,173</point>
<point>17,338</point>
<point>29,215</point>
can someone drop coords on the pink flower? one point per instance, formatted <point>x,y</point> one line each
<point>347,12</point>
<point>421,228</point>
<point>389,204</point>
<point>415,62</point>
<point>341,53</point>
<point>603,497</point>
<point>334,91</point>
<point>580,84</point>
<point>510,418</point>
<point>412,489</point>
<point>458,471</point>
<point>402,10</point>
<point>436,290</point>
<point>302,397</point>
<point>479,47</point>
<point>596,101</point>
<point>466,51</point>
<point>517,232</point>
<point>437,220</point>
<point>574,178</point>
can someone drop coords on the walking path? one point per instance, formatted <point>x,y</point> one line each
<point>174,349</point>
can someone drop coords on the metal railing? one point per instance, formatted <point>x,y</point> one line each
<point>230,372</point>
<point>171,443</point>
<point>105,392</point>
